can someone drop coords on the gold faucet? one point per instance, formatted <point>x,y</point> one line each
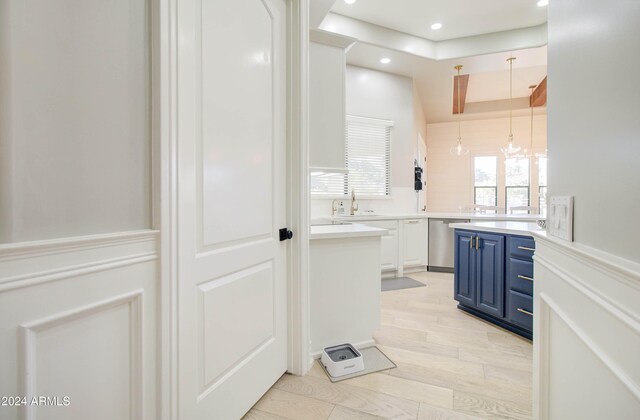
<point>334,207</point>
<point>354,206</point>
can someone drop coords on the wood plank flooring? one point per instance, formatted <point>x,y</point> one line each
<point>450,366</point>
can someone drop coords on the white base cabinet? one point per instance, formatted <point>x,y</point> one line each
<point>389,245</point>
<point>414,242</point>
<point>404,248</point>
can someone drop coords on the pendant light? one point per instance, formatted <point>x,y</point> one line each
<point>529,152</point>
<point>510,149</point>
<point>536,155</point>
<point>459,149</point>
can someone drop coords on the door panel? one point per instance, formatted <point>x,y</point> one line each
<point>231,193</point>
<point>239,307</point>
<point>490,274</point>
<point>237,120</point>
<point>464,275</point>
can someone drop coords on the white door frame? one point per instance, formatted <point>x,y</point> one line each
<point>165,188</point>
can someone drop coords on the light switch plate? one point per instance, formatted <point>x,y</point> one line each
<point>560,218</point>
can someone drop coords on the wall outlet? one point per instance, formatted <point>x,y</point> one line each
<point>560,217</point>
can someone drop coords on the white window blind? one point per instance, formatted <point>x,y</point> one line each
<point>367,159</point>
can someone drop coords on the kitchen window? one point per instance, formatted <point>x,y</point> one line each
<point>517,182</point>
<point>367,159</point>
<point>485,187</point>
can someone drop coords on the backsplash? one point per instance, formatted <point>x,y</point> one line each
<point>403,200</point>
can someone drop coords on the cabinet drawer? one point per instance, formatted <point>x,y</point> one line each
<point>521,247</point>
<point>518,303</point>
<point>520,273</point>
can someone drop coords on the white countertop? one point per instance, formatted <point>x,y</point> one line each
<point>508,227</point>
<point>441,215</point>
<point>352,230</point>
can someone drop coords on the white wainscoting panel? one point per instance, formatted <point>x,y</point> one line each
<point>78,319</point>
<point>586,333</point>
<point>91,355</point>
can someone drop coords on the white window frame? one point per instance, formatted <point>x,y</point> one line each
<point>473,175</point>
<point>528,186</point>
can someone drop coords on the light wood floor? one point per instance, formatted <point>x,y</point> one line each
<point>450,366</point>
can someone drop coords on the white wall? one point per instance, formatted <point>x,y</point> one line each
<point>594,119</point>
<point>74,118</point>
<point>450,178</point>
<point>586,314</point>
<point>78,312</point>
<point>419,136</point>
<point>375,94</point>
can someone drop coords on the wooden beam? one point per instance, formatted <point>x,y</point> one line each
<point>464,82</point>
<point>539,96</point>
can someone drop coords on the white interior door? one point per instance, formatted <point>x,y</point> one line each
<point>231,195</point>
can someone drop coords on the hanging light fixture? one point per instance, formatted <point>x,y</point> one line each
<point>459,149</point>
<point>510,149</point>
<point>529,152</point>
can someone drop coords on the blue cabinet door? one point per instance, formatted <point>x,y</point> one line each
<point>464,273</point>
<point>490,274</point>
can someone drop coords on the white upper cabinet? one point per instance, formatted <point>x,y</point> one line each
<point>327,66</point>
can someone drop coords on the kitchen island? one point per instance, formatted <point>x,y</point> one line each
<point>493,272</point>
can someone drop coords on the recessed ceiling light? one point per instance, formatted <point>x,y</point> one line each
<point>438,25</point>
<point>385,60</point>
<point>349,1</point>
<point>541,3</point>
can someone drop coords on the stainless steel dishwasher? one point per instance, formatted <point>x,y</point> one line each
<point>441,238</point>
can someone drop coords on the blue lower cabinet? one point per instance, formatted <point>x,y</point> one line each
<point>464,263</point>
<point>490,273</point>
<point>493,278</point>
<point>520,276</point>
<point>520,310</point>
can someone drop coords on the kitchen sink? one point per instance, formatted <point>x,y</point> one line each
<point>335,222</point>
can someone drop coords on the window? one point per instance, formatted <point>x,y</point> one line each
<point>517,182</point>
<point>367,159</point>
<point>323,183</point>
<point>485,188</point>
<point>542,185</point>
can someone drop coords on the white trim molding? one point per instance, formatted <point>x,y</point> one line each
<point>586,332</point>
<point>368,33</point>
<point>31,263</point>
<point>298,212</point>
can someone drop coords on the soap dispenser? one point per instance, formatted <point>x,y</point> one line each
<point>341,209</point>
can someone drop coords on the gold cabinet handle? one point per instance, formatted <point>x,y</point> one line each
<point>471,242</point>
<point>412,222</point>
<point>477,240</point>
<point>526,248</point>
<point>525,311</point>
<point>520,276</point>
